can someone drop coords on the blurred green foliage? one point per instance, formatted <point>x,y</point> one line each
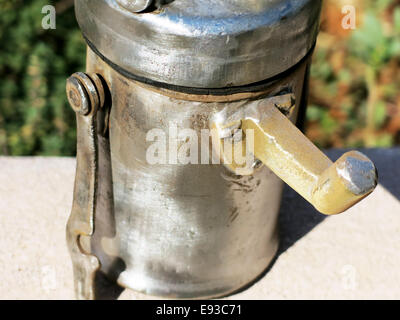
<point>354,94</point>
<point>355,78</point>
<point>34,63</point>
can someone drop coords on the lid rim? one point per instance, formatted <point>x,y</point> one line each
<point>204,60</point>
<point>247,88</point>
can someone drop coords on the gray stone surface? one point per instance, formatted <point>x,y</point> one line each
<point>351,256</point>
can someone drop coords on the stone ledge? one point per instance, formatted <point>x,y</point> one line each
<point>351,256</point>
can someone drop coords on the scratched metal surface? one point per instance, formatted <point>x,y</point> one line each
<point>175,223</point>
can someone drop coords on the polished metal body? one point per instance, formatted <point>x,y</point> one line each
<point>187,231</point>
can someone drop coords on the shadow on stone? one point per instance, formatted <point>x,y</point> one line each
<point>105,288</point>
<point>297,217</point>
<point>387,161</point>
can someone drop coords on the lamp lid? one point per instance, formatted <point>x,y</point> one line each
<point>202,43</point>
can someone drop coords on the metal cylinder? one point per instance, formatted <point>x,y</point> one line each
<point>184,230</point>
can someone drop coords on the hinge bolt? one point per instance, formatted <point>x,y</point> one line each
<point>85,93</point>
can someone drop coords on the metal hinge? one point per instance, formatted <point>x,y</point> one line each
<point>86,94</point>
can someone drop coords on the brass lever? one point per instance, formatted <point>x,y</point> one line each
<point>330,187</point>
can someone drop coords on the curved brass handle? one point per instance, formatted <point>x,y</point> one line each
<point>330,187</point>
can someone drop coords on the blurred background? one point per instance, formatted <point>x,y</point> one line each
<point>354,95</point>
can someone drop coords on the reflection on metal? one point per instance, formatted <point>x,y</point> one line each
<point>202,44</point>
<point>330,188</point>
<point>138,6</point>
<point>135,5</point>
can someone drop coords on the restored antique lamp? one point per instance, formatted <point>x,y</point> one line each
<point>233,66</point>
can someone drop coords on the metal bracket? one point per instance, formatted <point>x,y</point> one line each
<point>86,95</point>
